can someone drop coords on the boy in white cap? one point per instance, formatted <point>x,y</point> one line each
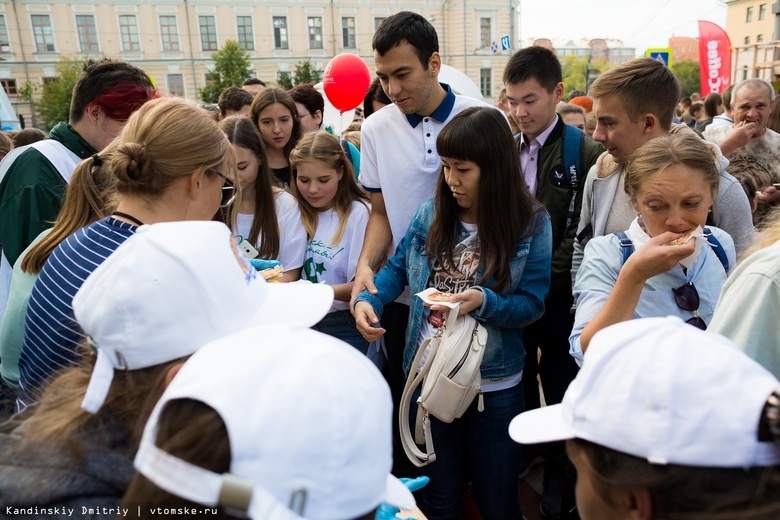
<point>667,421</point>
<point>307,421</point>
<point>163,294</point>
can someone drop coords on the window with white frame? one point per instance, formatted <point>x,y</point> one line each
<point>486,82</point>
<point>5,43</point>
<point>88,40</point>
<point>485,31</point>
<point>44,36</point>
<point>378,21</point>
<point>170,33</point>
<point>208,33</point>
<point>280,32</point>
<point>128,28</point>
<point>176,85</point>
<point>348,32</point>
<point>246,36</point>
<point>315,32</point>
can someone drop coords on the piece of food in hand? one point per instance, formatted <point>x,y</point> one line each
<point>274,274</point>
<point>438,296</point>
<point>681,241</point>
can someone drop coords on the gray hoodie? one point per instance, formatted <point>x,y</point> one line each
<point>48,482</point>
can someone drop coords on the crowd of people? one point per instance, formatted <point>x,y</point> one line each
<point>215,308</point>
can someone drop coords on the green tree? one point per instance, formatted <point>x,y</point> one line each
<point>305,72</point>
<point>575,70</point>
<point>231,68</point>
<point>687,72</point>
<point>54,105</point>
<point>285,80</point>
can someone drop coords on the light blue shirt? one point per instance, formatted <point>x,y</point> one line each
<point>602,263</point>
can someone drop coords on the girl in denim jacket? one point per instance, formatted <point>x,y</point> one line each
<point>485,241</point>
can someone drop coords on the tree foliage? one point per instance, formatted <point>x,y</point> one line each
<point>54,104</point>
<point>285,80</point>
<point>687,72</point>
<point>575,69</point>
<point>305,72</point>
<point>231,67</point>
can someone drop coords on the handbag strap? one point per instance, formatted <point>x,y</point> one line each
<point>415,455</point>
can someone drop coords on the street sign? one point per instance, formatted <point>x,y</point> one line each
<point>505,43</point>
<point>664,55</point>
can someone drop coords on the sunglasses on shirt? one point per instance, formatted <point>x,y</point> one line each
<point>687,298</point>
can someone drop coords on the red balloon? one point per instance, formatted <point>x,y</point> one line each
<point>346,81</point>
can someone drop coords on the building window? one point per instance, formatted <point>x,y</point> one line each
<point>486,82</point>
<point>85,24</point>
<point>484,32</point>
<point>9,85</point>
<point>128,27</point>
<point>44,37</point>
<point>759,38</point>
<point>749,16</point>
<point>246,37</point>
<point>762,12</point>
<point>747,40</point>
<point>208,33</point>
<point>348,32</point>
<point>170,34</point>
<point>176,85</point>
<point>5,44</point>
<point>315,32</point>
<point>378,21</point>
<point>280,32</point>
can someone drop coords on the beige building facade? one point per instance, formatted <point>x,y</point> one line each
<point>750,26</point>
<point>173,40</point>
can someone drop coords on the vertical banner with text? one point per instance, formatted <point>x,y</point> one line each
<point>714,58</point>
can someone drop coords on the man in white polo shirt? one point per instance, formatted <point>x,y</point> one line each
<point>399,163</point>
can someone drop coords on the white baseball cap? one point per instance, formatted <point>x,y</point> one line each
<point>173,287</point>
<point>309,420</point>
<point>664,391</point>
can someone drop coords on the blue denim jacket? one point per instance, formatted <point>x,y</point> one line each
<point>504,314</point>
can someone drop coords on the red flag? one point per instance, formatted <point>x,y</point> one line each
<point>714,58</point>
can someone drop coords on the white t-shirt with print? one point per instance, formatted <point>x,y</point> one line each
<point>292,234</point>
<point>336,263</point>
<point>456,280</point>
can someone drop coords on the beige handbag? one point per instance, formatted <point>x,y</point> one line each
<point>450,380</point>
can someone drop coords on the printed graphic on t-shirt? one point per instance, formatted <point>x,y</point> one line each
<point>314,249</point>
<point>457,278</point>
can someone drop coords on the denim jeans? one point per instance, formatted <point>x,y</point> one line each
<point>475,448</point>
<point>341,325</point>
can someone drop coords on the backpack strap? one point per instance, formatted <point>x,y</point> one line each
<point>626,245</point>
<point>572,143</point>
<point>717,249</point>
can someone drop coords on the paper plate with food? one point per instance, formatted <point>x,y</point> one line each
<point>433,296</point>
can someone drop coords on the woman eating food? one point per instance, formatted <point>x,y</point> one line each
<point>668,262</point>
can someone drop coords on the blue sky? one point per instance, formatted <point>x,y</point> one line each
<point>639,23</point>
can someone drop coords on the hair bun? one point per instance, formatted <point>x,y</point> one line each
<point>131,163</point>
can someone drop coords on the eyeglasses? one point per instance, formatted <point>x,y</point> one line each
<point>687,298</point>
<point>229,192</point>
<point>301,116</point>
<point>210,107</point>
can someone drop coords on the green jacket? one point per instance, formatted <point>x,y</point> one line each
<point>557,200</point>
<point>32,189</point>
